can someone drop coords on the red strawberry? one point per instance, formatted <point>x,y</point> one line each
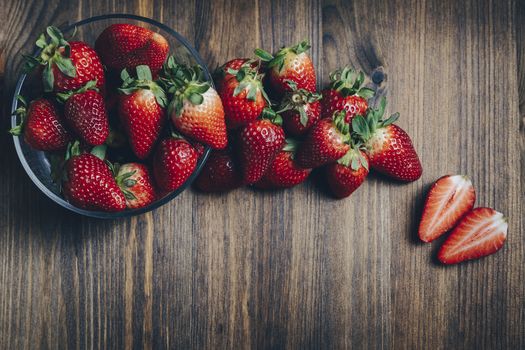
<point>348,173</point>
<point>89,184</point>
<point>86,114</point>
<point>300,110</point>
<point>66,66</point>
<point>345,93</point>
<point>242,96</point>
<point>173,163</point>
<point>326,142</point>
<point>223,73</point>
<point>283,172</point>
<point>42,125</point>
<point>448,200</point>
<point>259,143</point>
<point>126,46</point>
<point>141,110</point>
<point>219,174</point>
<point>289,63</point>
<point>195,109</point>
<point>389,148</point>
<point>135,181</point>
<point>481,232</point>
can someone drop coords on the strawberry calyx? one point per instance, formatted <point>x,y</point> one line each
<point>250,80</point>
<point>341,125</point>
<point>183,83</point>
<point>55,50</point>
<point>271,115</point>
<point>354,158</point>
<point>124,182</point>
<point>144,80</point>
<point>348,81</point>
<point>90,85</point>
<point>297,99</point>
<point>365,128</point>
<point>279,58</point>
<point>20,112</point>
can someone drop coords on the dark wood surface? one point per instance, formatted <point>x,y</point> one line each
<point>292,269</point>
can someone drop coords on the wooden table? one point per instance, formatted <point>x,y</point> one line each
<point>293,269</point>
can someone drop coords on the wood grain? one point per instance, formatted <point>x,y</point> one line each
<point>290,269</point>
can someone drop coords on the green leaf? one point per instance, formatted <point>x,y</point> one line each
<point>17,130</point>
<point>265,56</point>
<point>65,65</point>
<point>41,41</point>
<point>130,182</point>
<point>124,75</point>
<point>252,94</point>
<point>355,165</point>
<point>144,73</point>
<point>55,34</point>
<point>243,85</point>
<point>290,145</point>
<point>392,119</point>
<point>196,99</point>
<point>366,93</point>
<point>48,80</point>
<point>30,63</point>
<point>360,126</point>
<point>99,151</point>
<point>303,117</point>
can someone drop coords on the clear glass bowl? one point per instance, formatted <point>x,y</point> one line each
<point>36,163</point>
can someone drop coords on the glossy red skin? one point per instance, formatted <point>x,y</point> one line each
<point>128,46</point>
<point>238,110</point>
<point>173,163</point>
<point>90,185</point>
<point>489,237</point>
<point>143,189</point>
<point>86,114</point>
<point>259,143</point>
<point>391,152</point>
<point>333,101</point>
<point>143,119</point>
<point>219,174</point>
<point>88,67</point>
<point>292,119</point>
<point>323,144</point>
<point>343,180</point>
<point>283,173</point>
<point>204,122</point>
<point>298,68</point>
<point>44,127</point>
<point>223,74</point>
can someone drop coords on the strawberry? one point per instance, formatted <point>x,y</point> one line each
<point>326,142</point>
<point>89,184</point>
<point>348,173</point>
<point>173,163</point>
<point>259,143</point>
<point>135,181</point>
<point>389,148</point>
<point>41,124</point>
<point>85,112</point>
<point>195,109</point>
<point>66,65</point>
<point>300,110</point>
<point>283,172</point>
<point>219,174</point>
<point>222,74</point>
<point>141,110</point>
<point>242,96</point>
<point>289,63</point>
<point>345,93</point>
<point>448,200</point>
<point>481,232</point>
<point>126,46</point>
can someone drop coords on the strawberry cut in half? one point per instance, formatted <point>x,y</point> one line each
<point>448,200</point>
<point>481,232</point>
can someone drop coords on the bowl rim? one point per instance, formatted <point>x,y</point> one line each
<point>127,212</point>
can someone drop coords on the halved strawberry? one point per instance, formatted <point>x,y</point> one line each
<point>449,198</point>
<point>481,232</point>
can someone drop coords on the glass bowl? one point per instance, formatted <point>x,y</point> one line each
<point>37,164</point>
